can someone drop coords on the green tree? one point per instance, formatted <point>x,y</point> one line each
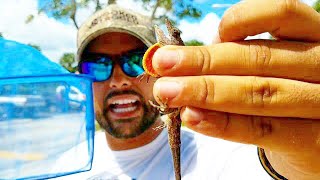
<point>316,6</point>
<point>37,47</point>
<point>61,9</point>
<point>180,9</point>
<point>68,61</point>
<point>1,36</point>
<point>193,42</point>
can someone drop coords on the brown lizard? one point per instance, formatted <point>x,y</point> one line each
<point>174,122</point>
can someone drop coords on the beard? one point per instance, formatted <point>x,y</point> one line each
<point>138,125</point>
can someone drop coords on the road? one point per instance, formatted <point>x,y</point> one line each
<point>31,146</point>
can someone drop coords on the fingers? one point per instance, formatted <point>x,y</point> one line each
<point>285,19</point>
<point>294,60</point>
<point>241,95</point>
<point>279,134</point>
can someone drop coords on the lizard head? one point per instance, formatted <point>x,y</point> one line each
<point>173,31</point>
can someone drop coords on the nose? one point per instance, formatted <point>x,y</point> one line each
<point>118,79</point>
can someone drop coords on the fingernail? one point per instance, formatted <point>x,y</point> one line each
<point>192,116</point>
<point>165,58</point>
<point>167,89</point>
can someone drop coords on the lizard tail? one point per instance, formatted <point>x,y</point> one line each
<point>174,131</point>
<point>176,163</point>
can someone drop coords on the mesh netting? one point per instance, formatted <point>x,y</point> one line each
<point>44,113</point>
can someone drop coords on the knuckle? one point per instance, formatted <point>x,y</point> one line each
<point>316,134</point>
<point>260,127</point>
<point>315,56</point>
<point>233,17</point>
<point>222,130</point>
<point>260,92</point>
<point>206,92</point>
<point>287,7</point>
<point>235,12</point>
<point>317,144</point>
<point>259,55</point>
<point>203,57</point>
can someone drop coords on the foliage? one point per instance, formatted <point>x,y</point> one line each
<point>37,47</point>
<point>194,42</point>
<point>316,6</point>
<point>68,61</point>
<point>66,9</point>
<point>1,36</point>
<point>61,9</point>
<point>97,126</point>
<point>29,18</point>
<point>179,9</point>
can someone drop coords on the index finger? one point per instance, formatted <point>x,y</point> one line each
<point>282,59</point>
<point>284,19</point>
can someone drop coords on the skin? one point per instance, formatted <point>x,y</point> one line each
<point>129,134</point>
<point>257,92</point>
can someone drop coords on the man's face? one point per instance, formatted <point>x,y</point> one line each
<point>121,102</point>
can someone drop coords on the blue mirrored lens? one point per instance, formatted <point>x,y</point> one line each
<point>132,64</point>
<point>99,71</point>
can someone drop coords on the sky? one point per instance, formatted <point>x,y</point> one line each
<point>57,37</point>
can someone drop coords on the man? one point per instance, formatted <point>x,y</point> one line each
<point>111,44</point>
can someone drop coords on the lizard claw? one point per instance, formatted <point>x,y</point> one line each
<point>163,107</point>
<point>162,38</point>
<point>160,127</point>
<point>142,76</point>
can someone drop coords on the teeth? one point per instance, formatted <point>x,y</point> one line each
<point>124,101</point>
<point>121,110</point>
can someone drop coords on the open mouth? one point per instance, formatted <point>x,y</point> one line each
<point>124,106</point>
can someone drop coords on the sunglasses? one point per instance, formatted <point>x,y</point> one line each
<point>101,66</point>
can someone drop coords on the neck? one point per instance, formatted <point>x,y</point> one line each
<point>146,137</point>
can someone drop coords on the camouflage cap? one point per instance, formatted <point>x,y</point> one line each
<point>115,19</point>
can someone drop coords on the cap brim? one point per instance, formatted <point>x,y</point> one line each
<point>109,30</point>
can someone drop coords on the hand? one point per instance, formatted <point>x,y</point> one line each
<point>261,92</point>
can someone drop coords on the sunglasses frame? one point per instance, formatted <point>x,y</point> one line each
<point>115,59</point>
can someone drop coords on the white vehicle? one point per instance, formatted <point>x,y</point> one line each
<point>21,105</point>
<point>73,96</point>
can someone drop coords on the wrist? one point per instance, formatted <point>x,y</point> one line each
<point>279,167</point>
<point>263,157</point>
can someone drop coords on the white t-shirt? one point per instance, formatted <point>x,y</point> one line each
<point>202,158</point>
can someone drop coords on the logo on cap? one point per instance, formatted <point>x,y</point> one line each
<point>115,15</point>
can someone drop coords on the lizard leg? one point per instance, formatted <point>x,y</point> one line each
<point>142,76</point>
<point>162,38</point>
